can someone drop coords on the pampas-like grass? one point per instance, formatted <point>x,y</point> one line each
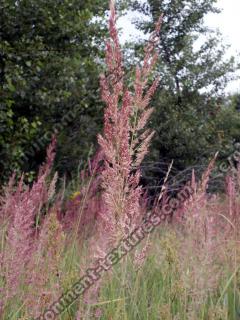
<point>125,139</point>
<point>22,212</point>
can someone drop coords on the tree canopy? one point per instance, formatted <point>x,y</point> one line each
<point>50,60</point>
<point>194,72</point>
<point>49,69</point>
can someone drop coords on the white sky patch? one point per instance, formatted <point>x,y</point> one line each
<point>127,28</point>
<point>228,23</point>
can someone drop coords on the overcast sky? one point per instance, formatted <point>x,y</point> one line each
<point>228,22</point>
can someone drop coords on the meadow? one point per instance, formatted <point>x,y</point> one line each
<point>186,262</point>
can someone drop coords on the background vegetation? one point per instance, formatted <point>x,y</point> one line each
<point>51,56</point>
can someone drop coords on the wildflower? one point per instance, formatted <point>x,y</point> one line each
<point>98,313</point>
<point>75,195</point>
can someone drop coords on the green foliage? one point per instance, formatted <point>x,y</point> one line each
<point>228,121</point>
<point>228,129</point>
<point>194,72</point>
<point>48,69</point>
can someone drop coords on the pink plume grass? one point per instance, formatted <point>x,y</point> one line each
<point>22,212</point>
<point>125,140</point>
<point>81,211</point>
<point>200,242</point>
<point>44,278</point>
<point>124,143</point>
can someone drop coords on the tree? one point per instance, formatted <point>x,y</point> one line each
<point>49,70</point>
<point>194,73</point>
